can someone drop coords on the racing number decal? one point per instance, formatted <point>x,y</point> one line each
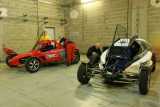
<point>54,53</point>
<point>51,56</point>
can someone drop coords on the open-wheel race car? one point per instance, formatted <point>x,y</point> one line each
<point>46,51</point>
<point>125,61</point>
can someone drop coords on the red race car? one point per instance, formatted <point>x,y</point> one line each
<point>44,52</point>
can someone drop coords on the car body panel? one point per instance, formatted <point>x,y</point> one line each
<point>143,57</point>
<point>134,68</point>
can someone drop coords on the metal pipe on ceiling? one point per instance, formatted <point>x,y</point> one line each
<point>29,19</point>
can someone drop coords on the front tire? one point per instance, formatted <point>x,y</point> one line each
<point>9,58</point>
<point>144,81</point>
<point>77,57</point>
<point>33,64</point>
<point>81,74</point>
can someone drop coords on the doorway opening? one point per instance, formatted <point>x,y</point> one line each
<point>51,32</point>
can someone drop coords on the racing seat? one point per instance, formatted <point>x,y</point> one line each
<point>48,47</point>
<point>51,47</point>
<point>121,58</point>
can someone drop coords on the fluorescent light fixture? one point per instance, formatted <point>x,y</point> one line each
<point>85,1</point>
<point>89,3</point>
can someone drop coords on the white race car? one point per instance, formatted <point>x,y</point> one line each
<point>126,60</point>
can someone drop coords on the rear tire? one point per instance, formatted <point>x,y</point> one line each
<point>144,81</point>
<point>154,62</point>
<point>9,58</point>
<point>154,68</point>
<point>81,74</point>
<point>77,57</point>
<point>33,64</point>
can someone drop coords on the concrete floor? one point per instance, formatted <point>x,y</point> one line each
<point>57,86</point>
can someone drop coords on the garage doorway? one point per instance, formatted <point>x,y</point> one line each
<point>51,32</point>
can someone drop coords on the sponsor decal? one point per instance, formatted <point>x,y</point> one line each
<point>51,56</point>
<point>58,51</point>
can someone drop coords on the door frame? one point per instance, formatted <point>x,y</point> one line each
<point>54,30</point>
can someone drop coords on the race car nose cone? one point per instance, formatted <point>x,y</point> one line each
<point>13,62</point>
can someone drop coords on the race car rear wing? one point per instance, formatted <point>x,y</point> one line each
<point>8,51</point>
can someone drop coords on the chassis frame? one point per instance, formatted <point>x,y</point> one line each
<point>91,72</point>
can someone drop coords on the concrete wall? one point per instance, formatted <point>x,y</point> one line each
<point>21,36</point>
<point>147,16</point>
<point>140,18</point>
<point>154,28</point>
<point>96,22</point>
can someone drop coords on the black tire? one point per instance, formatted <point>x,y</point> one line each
<point>94,59</point>
<point>77,57</point>
<point>154,68</point>
<point>9,58</point>
<point>81,74</point>
<point>144,81</point>
<point>32,64</point>
<point>154,62</point>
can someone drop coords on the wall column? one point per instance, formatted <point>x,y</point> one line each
<point>140,18</point>
<point>1,41</point>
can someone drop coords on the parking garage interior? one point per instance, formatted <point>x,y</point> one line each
<point>86,22</point>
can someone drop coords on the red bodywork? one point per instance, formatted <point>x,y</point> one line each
<point>8,51</point>
<point>56,54</point>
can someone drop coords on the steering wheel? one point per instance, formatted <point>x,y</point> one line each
<point>44,47</point>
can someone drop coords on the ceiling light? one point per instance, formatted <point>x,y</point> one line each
<point>85,1</point>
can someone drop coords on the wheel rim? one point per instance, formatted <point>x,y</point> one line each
<point>34,65</point>
<point>76,57</point>
<point>85,76</point>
